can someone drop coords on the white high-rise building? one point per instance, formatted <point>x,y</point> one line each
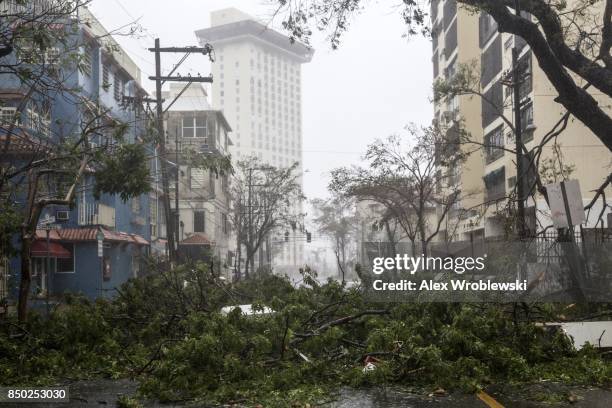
<point>257,84</point>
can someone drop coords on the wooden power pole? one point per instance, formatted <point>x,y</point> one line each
<point>171,229</point>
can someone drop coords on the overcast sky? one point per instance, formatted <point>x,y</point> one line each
<point>375,84</point>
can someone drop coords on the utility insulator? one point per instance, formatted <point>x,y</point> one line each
<point>287,236</point>
<point>308,237</point>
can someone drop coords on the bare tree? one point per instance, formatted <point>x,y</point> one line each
<point>417,183</point>
<point>335,218</point>
<point>264,200</point>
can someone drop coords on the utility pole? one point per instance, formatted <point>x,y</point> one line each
<point>172,233</point>
<point>518,135</point>
<point>162,153</point>
<point>250,229</point>
<point>177,215</point>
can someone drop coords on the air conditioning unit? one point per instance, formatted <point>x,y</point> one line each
<point>62,215</point>
<point>204,148</point>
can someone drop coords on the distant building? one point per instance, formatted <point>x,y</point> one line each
<point>107,76</point>
<point>258,87</point>
<point>195,131</point>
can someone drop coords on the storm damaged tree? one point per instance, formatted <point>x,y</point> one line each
<point>265,198</point>
<point>571,41</point>
<point>336,219</point>
<point>45,162</point>
<point>415,180</point>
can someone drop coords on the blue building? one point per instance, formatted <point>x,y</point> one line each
<point>103,86</point>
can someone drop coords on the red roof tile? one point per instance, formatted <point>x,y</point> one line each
<point>90,234</point>
<point>197,239</point>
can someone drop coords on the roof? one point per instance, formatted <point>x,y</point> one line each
<point>90,234</point>
<point>255,30</point>
<point>193,98</point>
<point>197,239</point>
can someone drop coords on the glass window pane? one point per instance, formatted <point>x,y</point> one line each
<point>188,121</point>
<point>200,132</point>
<point>187,132</point>
<point>201,121</point>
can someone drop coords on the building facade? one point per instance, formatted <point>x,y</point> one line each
<point>257,85</point>
<point>195,131</point>
<point>488,177</point>
<point>105,80</point>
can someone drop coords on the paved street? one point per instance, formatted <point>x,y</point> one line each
<point>104,393</point>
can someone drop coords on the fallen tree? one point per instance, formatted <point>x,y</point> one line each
<point>167,332</point>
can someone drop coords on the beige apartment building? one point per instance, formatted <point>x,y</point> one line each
<point>257,85</point>
<point>488,176</point>
<point>194,129</point>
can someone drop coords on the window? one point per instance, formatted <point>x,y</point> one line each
<point>118,88</point>
<point>449,12</point>
<point>8,115</point>
<point>495,184</point>
<point>135,265</point>
<point>487,28</point>
<point>105,76</point>
<point>494,143</point>
<point>66,265</point>
<point>212,182</point>
<point>491,62</point>
<point>435,64</point>
<point>86,60</point>
<point>194,126</point>
<point>524,64</point>
<point>197,178</point>
<point>39,121</point>
<point>199,221</point>
<point>450,40</point>
<point>527,122</point>
<point>224,223</point>
<point>492,104</point>
<point>135,205</point>
<point>153,216</point>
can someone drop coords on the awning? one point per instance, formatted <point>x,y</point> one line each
<point>197,239</point>
<point>39,249</point>
<point>90,234</point>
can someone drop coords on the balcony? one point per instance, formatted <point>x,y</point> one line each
<point>96,214</point>
<point>495,185</point>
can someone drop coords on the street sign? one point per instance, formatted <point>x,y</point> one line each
<point>100,238</point>
<point>566,205</point>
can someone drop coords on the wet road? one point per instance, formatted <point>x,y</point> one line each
<point>105,393</point>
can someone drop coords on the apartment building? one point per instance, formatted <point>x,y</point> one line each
<point>461,36</point>
<point>257,85</point>
<point>104,82</point>
<point>194,131</point>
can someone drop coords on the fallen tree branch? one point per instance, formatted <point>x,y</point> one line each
<point>338,322</point>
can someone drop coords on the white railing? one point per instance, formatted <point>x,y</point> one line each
<point>96,214</point>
